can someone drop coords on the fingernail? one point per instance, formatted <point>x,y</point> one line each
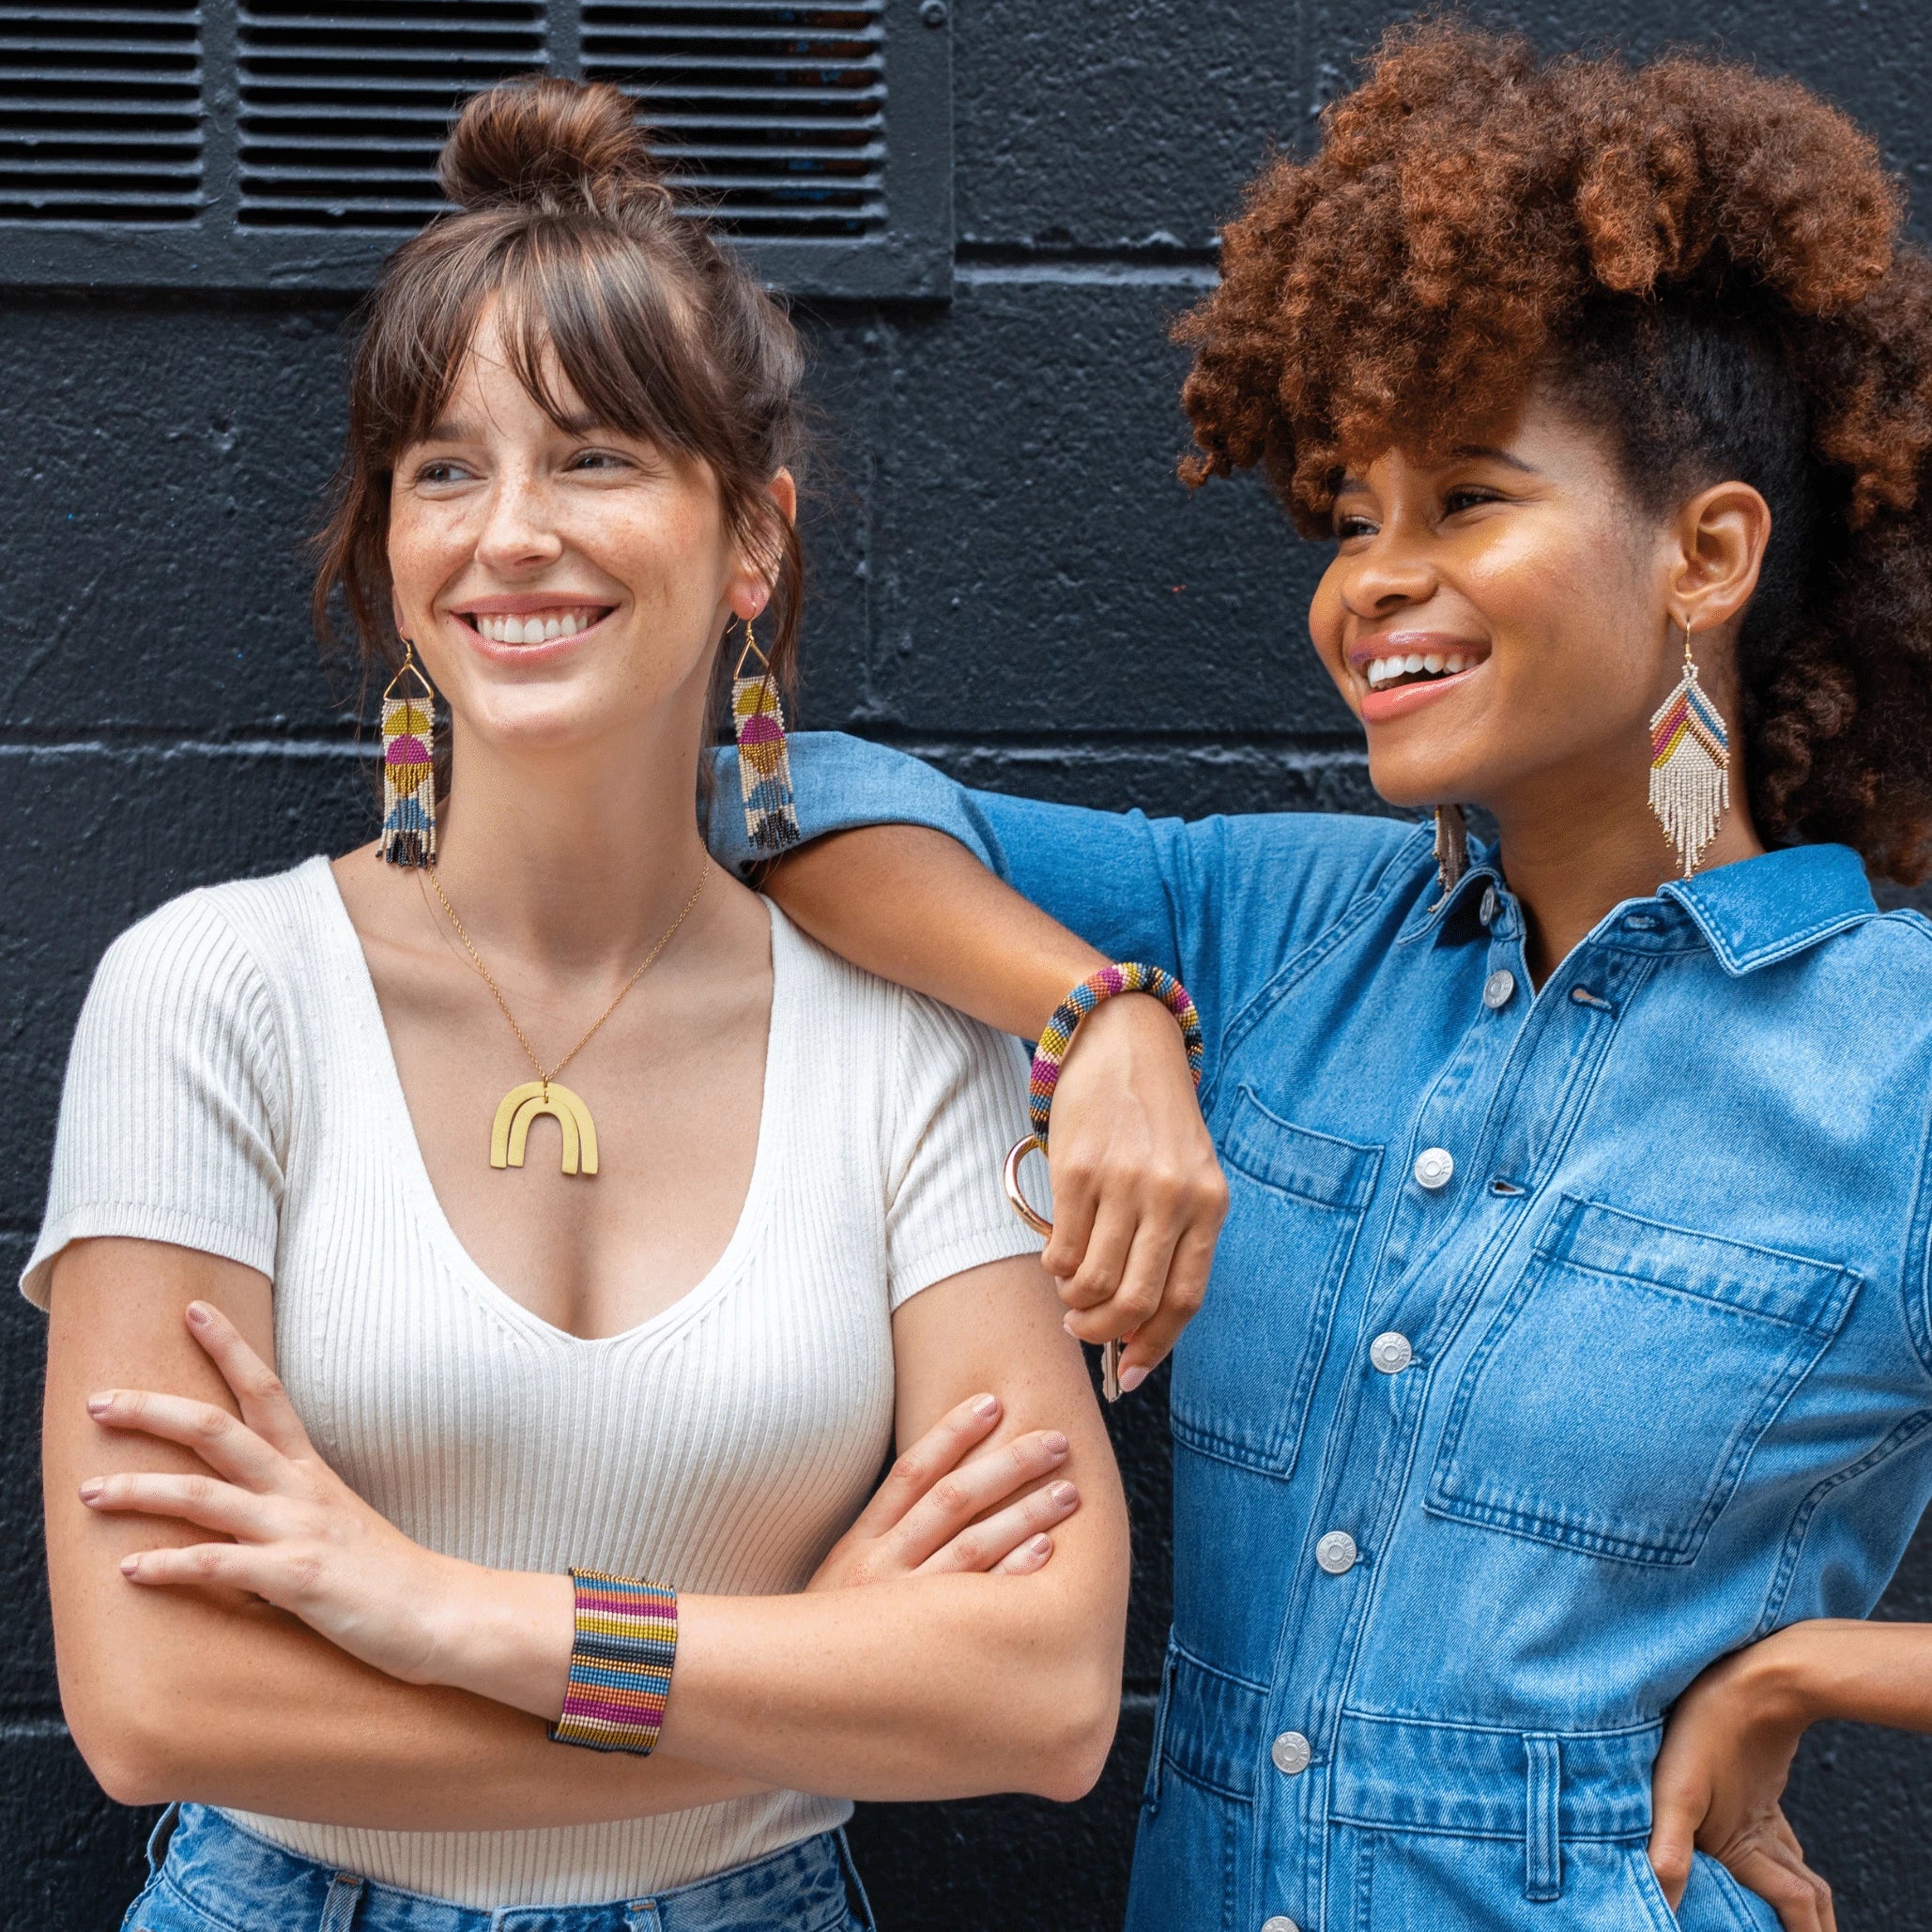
<point>1067,1322</point>
<point>99,1405</point>
<point>1040,1546</point>
<point>985,1406</point>
<point>129,1565</point>
<point>1064,1495</point>
<point>1054,1444</point>
<point>91,1488</point>
<point>1130,1379</point>
<point>198,1313</point>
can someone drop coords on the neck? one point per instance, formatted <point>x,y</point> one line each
<point>579,858</point>
<point>1576,845</point>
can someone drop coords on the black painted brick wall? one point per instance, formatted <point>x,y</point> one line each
<point>1008,580</point>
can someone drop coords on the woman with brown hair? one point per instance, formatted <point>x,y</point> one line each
<point>1559,1402</point>
<point>582,1388</point>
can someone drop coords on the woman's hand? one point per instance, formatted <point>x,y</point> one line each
<point>937,1512</point>
<point>291,1531</point>
<point>1718,1780</point>
<point>1138,1194</point>
<point>294,1534</point>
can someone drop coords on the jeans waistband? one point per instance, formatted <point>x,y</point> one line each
<point>1493,1784</point>
<point>240,1879</point>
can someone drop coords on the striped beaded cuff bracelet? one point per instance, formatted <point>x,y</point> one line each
<point>1128,977</point>
<point>619,1663</point>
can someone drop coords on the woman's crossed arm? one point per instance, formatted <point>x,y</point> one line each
<point>186,1680</point>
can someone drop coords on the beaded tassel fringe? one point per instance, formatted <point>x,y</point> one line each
<point>408,770</point>
<point>1690,767</point>
<point>764,759</point>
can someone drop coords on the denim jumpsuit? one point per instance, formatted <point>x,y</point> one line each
<point>1559,1340</point>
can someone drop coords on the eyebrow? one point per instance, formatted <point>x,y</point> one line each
<point>1487,452</point>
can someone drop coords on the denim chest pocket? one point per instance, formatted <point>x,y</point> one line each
<point>1612,1405</point>
<point>1245,1367</point>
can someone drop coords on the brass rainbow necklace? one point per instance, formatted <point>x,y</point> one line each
<point>521,1105</point>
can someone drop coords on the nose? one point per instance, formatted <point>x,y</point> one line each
<point>1385,575</point>
<point>518,531</point>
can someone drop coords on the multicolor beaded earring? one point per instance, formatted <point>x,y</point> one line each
<point>1452,846</point>
<point>764,759</point>
<point>1690,766</point>
<point>408,766</point>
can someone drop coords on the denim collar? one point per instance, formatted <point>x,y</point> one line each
<point>1760,910</point>
<point>1750,914</point>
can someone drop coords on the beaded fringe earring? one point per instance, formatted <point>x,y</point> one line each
<point>1452,846</point>
<point>764,759</point>
<point>1690,766</point>
<point>408,766</point>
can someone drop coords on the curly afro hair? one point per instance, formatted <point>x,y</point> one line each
<point>1702,260</point>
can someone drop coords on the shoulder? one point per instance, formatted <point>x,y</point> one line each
<point>1269,885</point>
<point>914,1038</point>
<point>233,946</point>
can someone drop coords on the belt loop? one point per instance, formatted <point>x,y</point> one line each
<point>158,1839</point>
<point>1542,1840</point>
<point>339,1908</point>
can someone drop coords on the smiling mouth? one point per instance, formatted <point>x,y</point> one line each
<point>534,626</point>
<point>1398,668</point>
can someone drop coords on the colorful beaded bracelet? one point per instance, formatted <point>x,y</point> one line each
<point>619,1663</point>
<point>1128,977</point>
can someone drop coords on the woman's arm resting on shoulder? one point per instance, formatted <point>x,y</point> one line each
<point>1139,1196</point>
<point>1729,1746</point>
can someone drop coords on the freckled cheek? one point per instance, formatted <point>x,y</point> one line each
<point>663,560</point>
<point>426,551</point>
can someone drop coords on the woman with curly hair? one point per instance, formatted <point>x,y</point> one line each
<point>1558,1406</point>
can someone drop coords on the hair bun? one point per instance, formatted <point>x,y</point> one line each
<point>547,143</point>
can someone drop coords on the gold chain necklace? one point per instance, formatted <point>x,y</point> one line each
<point>523,1104</point>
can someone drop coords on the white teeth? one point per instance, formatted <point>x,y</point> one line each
<point>1385,670</point>
<point>533,630</point>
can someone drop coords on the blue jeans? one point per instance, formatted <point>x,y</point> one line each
<point>218,1878</point>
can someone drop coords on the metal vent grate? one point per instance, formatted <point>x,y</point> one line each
<point>771,114</point>
<point>292,143</point>
<point>344,110</point>
<point>99,111</point>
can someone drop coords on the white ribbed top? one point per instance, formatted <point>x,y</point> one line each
<point>232,1089</point>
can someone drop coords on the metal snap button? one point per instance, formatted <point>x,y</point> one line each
<point>1391,1353</point>
<point>1433,1167</point>
<point>1336,1553</point>
<point>1498,989</point>
<point>1487,910</point>
<point>1290,1751</point>
<point>1278,1924</point>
